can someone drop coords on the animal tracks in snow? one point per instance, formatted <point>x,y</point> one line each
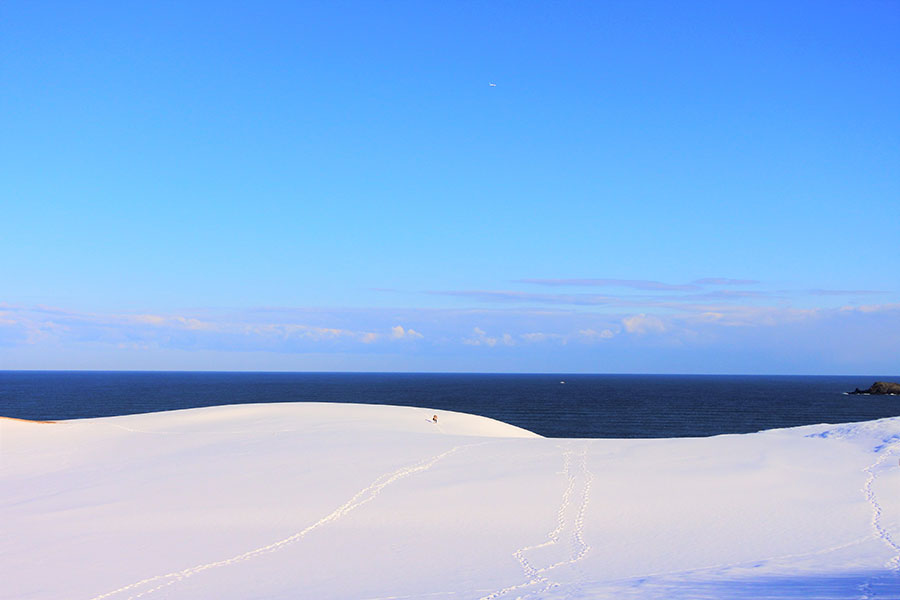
<point>565,544</point>
<point>150,585</point>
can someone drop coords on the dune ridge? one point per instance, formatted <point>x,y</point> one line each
<point>326,500</point>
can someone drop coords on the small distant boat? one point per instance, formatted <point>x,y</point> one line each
<point>562,382</point>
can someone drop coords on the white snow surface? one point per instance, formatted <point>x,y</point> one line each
<point>362,502</point>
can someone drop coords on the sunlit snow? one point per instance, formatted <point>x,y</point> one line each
<point>345,501</point>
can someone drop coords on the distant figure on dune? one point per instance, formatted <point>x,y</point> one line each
<point>434,418</point>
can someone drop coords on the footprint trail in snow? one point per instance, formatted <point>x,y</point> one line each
<point>364,496</point>
<point>565,545</point>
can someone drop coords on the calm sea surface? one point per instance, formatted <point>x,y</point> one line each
<point>584,406</point>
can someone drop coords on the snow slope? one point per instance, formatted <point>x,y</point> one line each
<point>346,501</point>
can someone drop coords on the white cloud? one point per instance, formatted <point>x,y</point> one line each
<point>591,334</point>
<point>534,337</point>
<point>175,321</point>
<point>848,338</point>
<point>537,337</point>
<point>284,331</point>
<point>398,333</point>
<point>871,308</point>
<point>641,324</point>
<point>150,319</point>
<point>481,338</point>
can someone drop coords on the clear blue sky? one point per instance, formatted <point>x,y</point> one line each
<point>694,187</point>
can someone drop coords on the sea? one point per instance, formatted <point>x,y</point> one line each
<point>552,405</point>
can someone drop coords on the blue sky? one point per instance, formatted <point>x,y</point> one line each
<point>700,187</point>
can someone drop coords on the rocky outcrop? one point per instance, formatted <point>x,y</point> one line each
<point>880,388</point>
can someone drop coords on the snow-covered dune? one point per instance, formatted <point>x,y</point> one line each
<point>350,501</point>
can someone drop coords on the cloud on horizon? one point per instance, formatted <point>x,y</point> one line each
<point>642,324</point>
<point>398,333</point>
<point>699,338</point>
<point>666,296</point>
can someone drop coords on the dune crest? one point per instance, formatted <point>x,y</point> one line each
<point>359,501</point>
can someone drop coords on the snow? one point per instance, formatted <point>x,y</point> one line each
<point>344,501</point>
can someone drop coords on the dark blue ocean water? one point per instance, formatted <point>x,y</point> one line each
<point>584,406</point>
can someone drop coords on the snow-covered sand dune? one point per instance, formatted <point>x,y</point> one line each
<point>376,502</point>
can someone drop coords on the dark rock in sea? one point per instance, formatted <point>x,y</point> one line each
<point>880,388</point>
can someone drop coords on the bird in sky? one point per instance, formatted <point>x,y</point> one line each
<point>492,84</point>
